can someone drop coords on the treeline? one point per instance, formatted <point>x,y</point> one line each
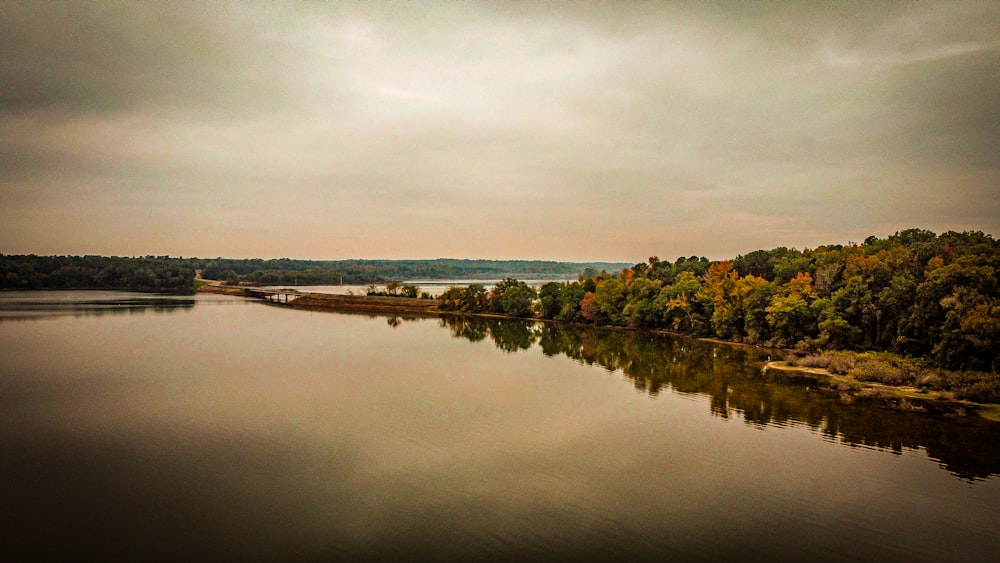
<point>96,272</point>
<point>286,271</point>
<point>914,293</point>
<point>154,273</point>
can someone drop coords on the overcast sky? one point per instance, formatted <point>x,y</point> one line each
<point>552,131</point>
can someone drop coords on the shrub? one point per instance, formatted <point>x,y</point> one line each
<point>841,363</point>
<point>931,380</point>
<point>976,386</point>
<point>845,385</point>
<point>815,361</point>
<point>871,369</point>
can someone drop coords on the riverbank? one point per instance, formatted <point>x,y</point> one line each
<point>365,304</point>
<point>331,302</point>
<point>903,397</point>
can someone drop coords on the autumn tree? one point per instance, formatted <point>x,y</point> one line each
<point>789,315</point>
<point>681,309</point>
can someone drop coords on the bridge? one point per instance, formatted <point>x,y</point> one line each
<point>280,296</point>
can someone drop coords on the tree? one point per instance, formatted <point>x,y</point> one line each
<point>610,301</point>
<point>755,295</point>
<point>231,277</point>
<point>498,292</point>
<point>834,331</point>
<point>550,297</point>
<point>789,315</point>
<point>451,299</point>
<point>517,301</point>
<point>588,307</point>
<point>641,309</point>
<point>475,298</point>
<point>512,297</point>
<point>720,294</point>
<point>678,302</point>
<point>572,295</point>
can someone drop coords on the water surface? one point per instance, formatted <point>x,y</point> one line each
<point>224,428</point>
<point>430,287</point>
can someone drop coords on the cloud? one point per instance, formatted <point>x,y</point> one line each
<point>600,131</point>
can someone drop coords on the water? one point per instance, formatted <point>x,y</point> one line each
<point>223,428</point>
<point>431,287</point>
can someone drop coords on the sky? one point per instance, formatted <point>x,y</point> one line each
<point>523,130</point>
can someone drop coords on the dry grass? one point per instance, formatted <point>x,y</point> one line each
<point>839,363</point>
<point>898,371</point>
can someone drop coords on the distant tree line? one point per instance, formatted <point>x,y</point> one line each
<point>286,271</point>
<point>96,272</point>
<point>153,273</point>
<point>913,293</point>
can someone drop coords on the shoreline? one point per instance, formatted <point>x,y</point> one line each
<point>901,397</point>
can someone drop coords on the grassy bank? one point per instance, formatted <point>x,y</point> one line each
<point>203,286</point>
<point>366,303</point>
<point>889,375</point>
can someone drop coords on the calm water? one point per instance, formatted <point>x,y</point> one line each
<point>209,427</point>
<point>431,287</point>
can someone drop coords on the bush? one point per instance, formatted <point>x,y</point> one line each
<point>983,390</point>
<point>841,363</point>
<point>815,361</point>
<point>972,385</point>
<point>870,369</point>
<point>931,380</point>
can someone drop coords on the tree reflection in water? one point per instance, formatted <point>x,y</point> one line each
<point>734,379</point>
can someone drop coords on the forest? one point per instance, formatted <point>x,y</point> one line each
<point>165,273</point>
<point>286,271</point>
<point>915,294</point>
<point>96,272</point>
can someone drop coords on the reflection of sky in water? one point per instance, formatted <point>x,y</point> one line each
<point>257,432</point>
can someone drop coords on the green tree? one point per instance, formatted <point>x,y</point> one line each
<point>512,297</point>
<point>517,301</point>
<point>610,302</point>
<point>641,309</point>
<point>475,298</point>
<point>571,295</point>
<point>550,298</point>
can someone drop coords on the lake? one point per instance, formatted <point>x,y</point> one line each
<point>210,427</point>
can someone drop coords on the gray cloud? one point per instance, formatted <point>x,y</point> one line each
<point>492,129</point>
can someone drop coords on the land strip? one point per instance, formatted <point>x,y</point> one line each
<point>905,397</point>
